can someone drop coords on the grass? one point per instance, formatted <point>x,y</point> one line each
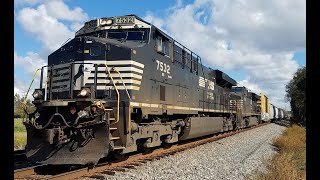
<point>20,134</point>
<point>290,162</point>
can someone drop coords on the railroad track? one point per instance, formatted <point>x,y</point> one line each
<point>19,155</point>
<point>285,123</point>
<point>112,167</point>
<point>20,160</point>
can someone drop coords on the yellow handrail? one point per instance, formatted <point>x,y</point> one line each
<point>129,117</point>
<point>122,82</point>
<point>118,95</point>
<point>24,103</point>
<point>47,79</point>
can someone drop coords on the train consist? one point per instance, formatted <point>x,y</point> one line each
<point>123,85</point>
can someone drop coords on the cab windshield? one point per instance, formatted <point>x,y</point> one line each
<point>236,90</point>
<point>127,35</point>
<point>131,37</point>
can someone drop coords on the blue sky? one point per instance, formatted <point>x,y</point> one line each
<point>267,43</point>
<point>300,57</point>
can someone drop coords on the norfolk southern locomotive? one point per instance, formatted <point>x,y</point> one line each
<point>121,85</point>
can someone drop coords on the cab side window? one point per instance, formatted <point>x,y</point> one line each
<point>95,51</point>
<point>162,45</point>
<point>159,44</point>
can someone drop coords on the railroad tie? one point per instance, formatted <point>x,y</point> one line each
<point>129,166</point>
<point>97,176</point>
<point>109,172</point>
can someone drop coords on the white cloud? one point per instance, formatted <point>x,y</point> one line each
<point>61,11</point>
<point>250,86</point>
<point>30,63</point>
<point>158,22</point>
<point>44,22</point>
<point>75,26</point>
<point>258,37</point>
<point>21,88</point>
<point>47,29</point>
<point>266,25</point>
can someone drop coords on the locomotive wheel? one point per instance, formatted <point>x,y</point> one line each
<point>166,145</point>
<point>146,150</point>
<point>119,156</point>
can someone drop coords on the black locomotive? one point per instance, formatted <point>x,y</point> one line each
<point>120,85</point>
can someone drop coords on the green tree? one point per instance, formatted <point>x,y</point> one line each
<point>296,95</point>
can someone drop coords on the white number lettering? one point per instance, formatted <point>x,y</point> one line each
<point>157,65</point>
<point>161,66</point>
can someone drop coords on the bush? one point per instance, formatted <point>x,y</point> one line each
<point>20,134</point>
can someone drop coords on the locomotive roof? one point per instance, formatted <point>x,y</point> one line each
<point>223,79</point>
<point>254,96</point>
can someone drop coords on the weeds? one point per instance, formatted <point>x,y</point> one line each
<point>20,134</point>
<point>290,162</point>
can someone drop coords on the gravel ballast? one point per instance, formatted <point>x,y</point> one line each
<point>233,157</point>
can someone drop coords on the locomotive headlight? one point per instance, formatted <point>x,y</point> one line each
<point>106,21</point>
<point>85,92</point>
<point>109,21</point>
<point>37,94</point>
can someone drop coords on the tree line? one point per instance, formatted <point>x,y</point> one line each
<point>296,95</point>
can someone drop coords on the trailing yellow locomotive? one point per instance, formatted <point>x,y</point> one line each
<point>122,85</point>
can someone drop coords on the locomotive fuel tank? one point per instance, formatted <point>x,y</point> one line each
<point>201,126</point>
<point>253,121</point>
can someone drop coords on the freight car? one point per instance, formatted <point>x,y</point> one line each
<point>272,112</point>
<point>281,114</point>
<point>264,103</point>
<point>278,114</point>
<point>122,85</point>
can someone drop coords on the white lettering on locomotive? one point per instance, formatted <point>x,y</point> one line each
<point>164,68</point>
<point>203,81</point>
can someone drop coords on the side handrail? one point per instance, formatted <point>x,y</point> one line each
<point>24,103</point>
<point>112,69</point>
<point>118,95</point>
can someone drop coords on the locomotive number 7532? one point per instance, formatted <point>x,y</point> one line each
<point>163,67</point>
